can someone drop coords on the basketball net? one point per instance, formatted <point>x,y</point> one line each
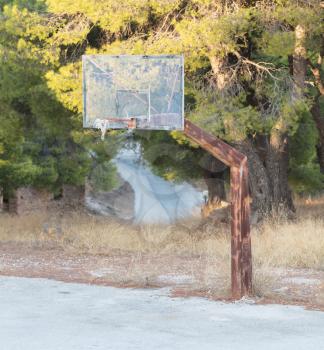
<point>104,124</point>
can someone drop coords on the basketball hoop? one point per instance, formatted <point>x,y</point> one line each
<point>151,90</point>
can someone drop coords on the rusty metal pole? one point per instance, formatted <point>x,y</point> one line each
<point>246,253</point>
<point>241,256</point>
<point>236,240</point>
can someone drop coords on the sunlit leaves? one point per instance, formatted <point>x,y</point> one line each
<point>67,85</point>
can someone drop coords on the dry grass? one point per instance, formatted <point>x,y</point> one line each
<point>276,244</point>
<point>25,229</point>
<point>298,244</point>
<point>96,235</point>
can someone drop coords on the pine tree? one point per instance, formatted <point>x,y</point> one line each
<point>38,135</point>
<point>253,78</point>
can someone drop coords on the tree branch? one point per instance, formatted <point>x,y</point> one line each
<point>264,67</point>
<point>317,75</point>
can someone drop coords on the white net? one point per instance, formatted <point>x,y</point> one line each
<point>102,125</point>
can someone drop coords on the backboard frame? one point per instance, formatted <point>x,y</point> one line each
<point>168,127</point>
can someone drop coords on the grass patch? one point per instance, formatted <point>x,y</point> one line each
<point>275,244</point>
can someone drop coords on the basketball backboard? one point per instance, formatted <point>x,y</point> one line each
<point>141,92</point>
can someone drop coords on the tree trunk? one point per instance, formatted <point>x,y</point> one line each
<point>299,62</point>
<point>277,163</point>
<point>216,187</point>
<point>1,199</point>
<point>277,156</point>
<point>319,120</point>
<point>260,190</point>
<point>268,180</point>
<point>316,108</point>
<point>222,75</point>
<point>213,173</point>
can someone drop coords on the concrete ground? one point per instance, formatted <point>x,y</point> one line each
<point>39,314</point>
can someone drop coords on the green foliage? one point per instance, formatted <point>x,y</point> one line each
<point>38,140</point>
<point>41,44</point>
<point>230,118</point>
<point>67,85</point>
<point>171,157</point>
<point>104,177</point>
<point>305,175</point>
<point>277,46</point>
<point>306,178</point>
<point>34,5</point>
<point>303,143</point>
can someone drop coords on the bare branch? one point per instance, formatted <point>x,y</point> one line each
<point>317,75</point>
<point>261,67</point>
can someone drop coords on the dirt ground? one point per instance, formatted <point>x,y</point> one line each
<point>184,275</point>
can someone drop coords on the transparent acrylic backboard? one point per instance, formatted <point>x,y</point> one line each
<point>146,90</point>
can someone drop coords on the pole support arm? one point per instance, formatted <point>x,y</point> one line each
<point>241,256</point>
